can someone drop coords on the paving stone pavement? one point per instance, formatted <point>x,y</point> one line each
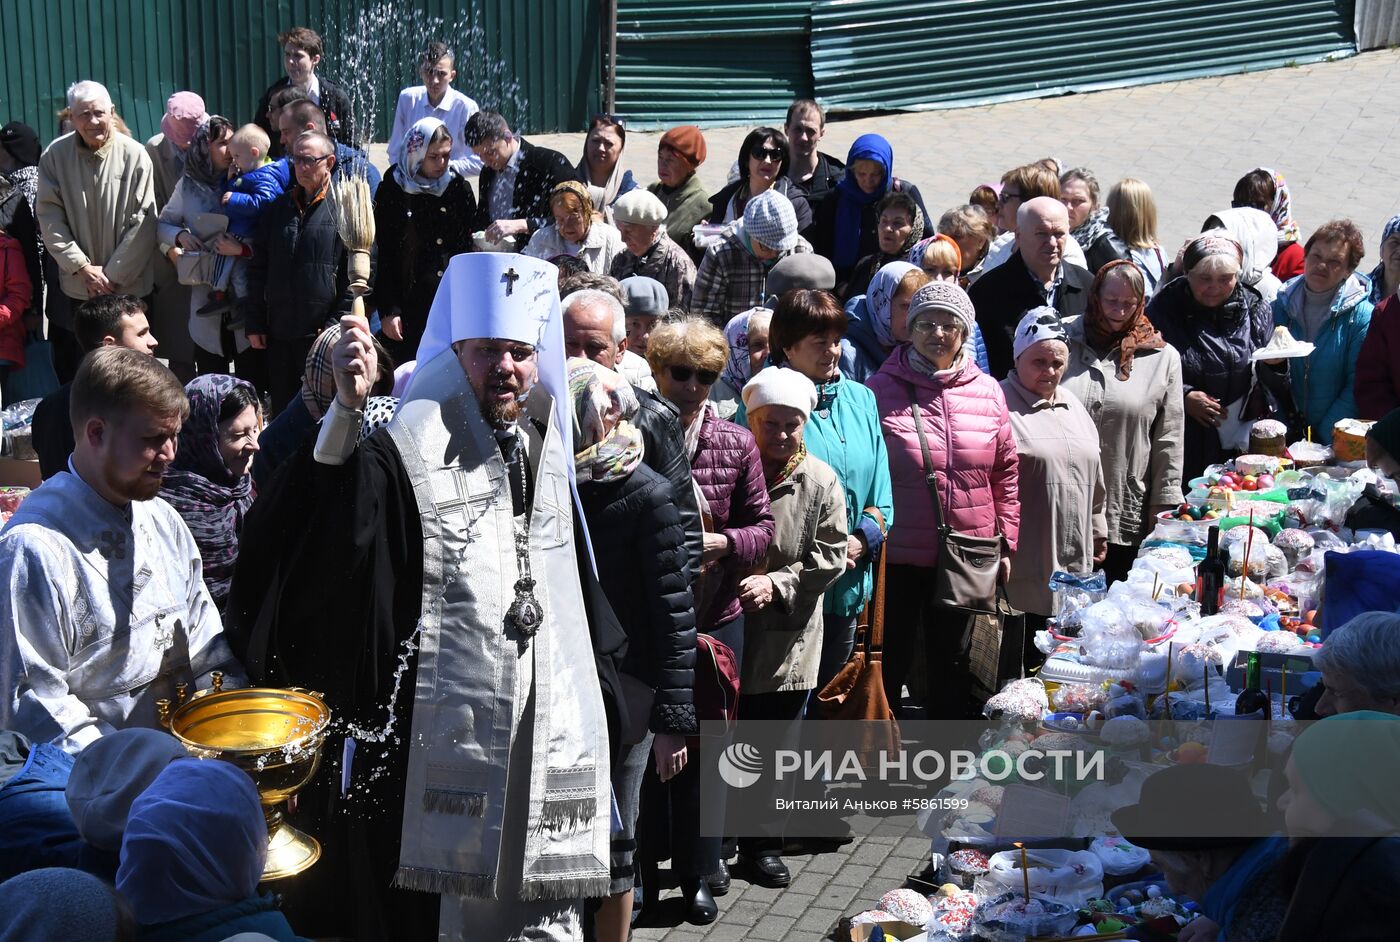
<point>1323,126</point>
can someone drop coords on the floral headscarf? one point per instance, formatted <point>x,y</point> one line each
<point>199,164</point>
<point>879,296</point>
<point>1282,210</point>
<point>601,396</point>
<point>415,148</point>
<point>1137,334</point>
<point>739,370</point>
<point>201,489</point>
<point>579,189</point>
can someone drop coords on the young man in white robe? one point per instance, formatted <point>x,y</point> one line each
<point>103,609</point>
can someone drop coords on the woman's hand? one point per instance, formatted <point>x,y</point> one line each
<point>668,749</point>
<point>1100,550</point>
<point>1004,570</point>
<point>855,550</point>
<point>174,254</point>
<point>392,326</point>
<point>1200,929</point>
<point>716,547</point>
<point>226,244</point>
<point>755,593</point>
<point>1204,409</point>
<point>188,241</point>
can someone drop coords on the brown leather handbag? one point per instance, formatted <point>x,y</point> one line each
<point>857,692</point>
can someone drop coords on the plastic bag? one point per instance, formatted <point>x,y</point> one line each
<point>1108,639</point>
<point>1073,876</point>
<point>1023,700</point>
<point>1070,591</point>
<point>18,420</point>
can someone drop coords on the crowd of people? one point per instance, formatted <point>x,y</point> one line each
<point>603,455</point>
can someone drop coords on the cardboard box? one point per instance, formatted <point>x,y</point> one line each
<point>18,472</point>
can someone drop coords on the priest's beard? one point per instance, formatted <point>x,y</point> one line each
<point>500,414</point>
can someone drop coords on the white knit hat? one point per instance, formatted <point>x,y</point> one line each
<point>639,207</point>
<point>780,386</point>
<point>769,218</point>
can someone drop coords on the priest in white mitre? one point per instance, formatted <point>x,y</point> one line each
<point>426,580</point>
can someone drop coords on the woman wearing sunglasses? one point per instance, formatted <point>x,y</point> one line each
<point>686,357</point>
<point>762,166</point>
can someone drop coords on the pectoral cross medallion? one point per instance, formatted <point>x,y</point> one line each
<point>510,277</point>
<point>525,612</point>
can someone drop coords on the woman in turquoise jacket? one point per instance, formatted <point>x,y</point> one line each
<point>844,432</point>
<point>1328,306</point>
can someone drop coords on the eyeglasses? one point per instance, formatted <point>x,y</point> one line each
<point>929,327</point>
<point>306,162</point>
<point>1007,196</point>
<point>768,153</point>
<point>682,374</point>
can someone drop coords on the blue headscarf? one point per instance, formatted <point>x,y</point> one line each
<point>1225,894</point>
<point>195,842</point>
<point>1378,286</point>
<point>851,199</point>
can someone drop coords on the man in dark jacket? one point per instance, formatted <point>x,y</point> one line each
<point>516,178</point>
<point>301,53</point>
<point>108,320</point>
<point>595,327</point>
<point>297,279</point>
<point>1035,275</point>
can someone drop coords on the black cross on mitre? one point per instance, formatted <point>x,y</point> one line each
<point>510,276</point>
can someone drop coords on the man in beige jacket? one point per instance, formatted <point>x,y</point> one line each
<point>96,206</point>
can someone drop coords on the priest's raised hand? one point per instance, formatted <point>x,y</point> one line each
<point>354,361</point>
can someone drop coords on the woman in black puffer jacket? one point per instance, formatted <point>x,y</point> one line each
<point>639,548</point>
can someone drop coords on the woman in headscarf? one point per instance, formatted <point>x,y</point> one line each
<point>899,228</point>
<point>601,165</point>
<point>875,320</point>
<point>576,231</point>
<point>845,223</point>
<point>210,482</point>
<point>1385,277</point>
<point>639,549</point>
<point>763,163</point>
<point>193,855</point>
<point>1266,190</point>
<point>1088,220</point>
<point>1254,231</point>
<point>218,338</point>
<point>1129,379</point>
<point>783,594</point>
<point>747,336</point>
<point>1216,323</point>
<point>1060,473</point>
<point>422,216</point>
<point>19,186</point>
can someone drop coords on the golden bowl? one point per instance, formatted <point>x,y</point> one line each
<point>273,734</point>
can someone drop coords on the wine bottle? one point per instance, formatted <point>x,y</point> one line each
<point>1252,699</point>
<point>1210,576</point>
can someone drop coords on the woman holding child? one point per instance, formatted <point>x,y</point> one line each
<point>209,264</point>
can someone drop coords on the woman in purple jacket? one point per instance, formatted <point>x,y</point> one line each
<point>686,357</point>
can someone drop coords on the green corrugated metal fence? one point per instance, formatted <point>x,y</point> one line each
<point>874,54</point>
<point>539,60</point>
<point>711,63</point>
<point>731,62</point>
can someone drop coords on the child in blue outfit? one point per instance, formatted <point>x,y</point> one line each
<point>254,182</point>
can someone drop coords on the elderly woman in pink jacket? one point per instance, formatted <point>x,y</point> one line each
<point>973,453</point>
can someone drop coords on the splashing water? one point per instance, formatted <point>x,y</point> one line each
<point>376,54</point>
